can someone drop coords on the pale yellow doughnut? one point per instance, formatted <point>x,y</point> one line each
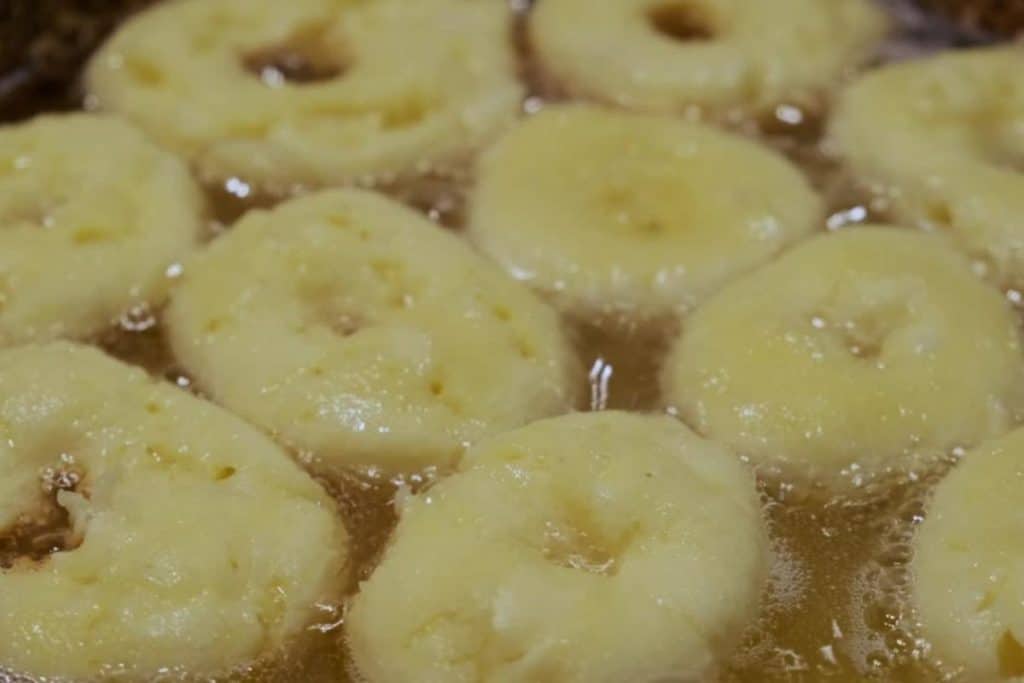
<point>91,217</point>
<point>609,212</point>
<point>591,548</point>
<point>198,546</point>
<point>718,56</point>
<point>941,139</point>
<point>854,353</point>
<point>360,333</point>
<point>968,564</point>
<point>415,85</point>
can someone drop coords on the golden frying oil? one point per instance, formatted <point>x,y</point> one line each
<point>836,607</point>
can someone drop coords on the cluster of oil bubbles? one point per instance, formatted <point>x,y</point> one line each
<point>837,605</point>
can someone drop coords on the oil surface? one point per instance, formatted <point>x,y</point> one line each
<point>836,606</point>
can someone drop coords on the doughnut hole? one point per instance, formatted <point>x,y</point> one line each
<point>940,215</point>
<point>313,56</point>
<point>863,334</point>
<point>328,307</point>
<point>344,323</point>
<point>864,319</point>
<point>45,526</point>
<point>574,545</point>
<point>308,56</point>
<point>680,22</point>
<point>634,211</point>
<point>144,72</point>
<point>332,304</point>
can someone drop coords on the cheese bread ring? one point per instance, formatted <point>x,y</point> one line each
<point>313,92</point>
<point>854,353</point>
<point>608,212</point>
<point>940,139</point>
<point>715,56</point>
<point>967,568</point>
<point>361,334</point>
<point>590,548</point>
<point>195,545</point>
<point>92,215</point>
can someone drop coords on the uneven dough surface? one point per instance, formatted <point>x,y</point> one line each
<point>360,333</point>
<point>854,353</point>
<point>91,217</point>
<point>940,139</point>
<point>715,56</point>
<point>595,547</point>
<point>612,212</point>
<point>313,92</point>
<point>183,551</point>
<point>968,565</point>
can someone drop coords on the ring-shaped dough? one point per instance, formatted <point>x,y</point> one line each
<point>942,139</point>
<point>197,545</point>
<point>590,548</point>
<point>359,332</point>
<point>854,353</point>
<point>609,212</point>
<point>717,56</point>
<point>91,216</point>
<point>968,564</point>
<point>389,86</point>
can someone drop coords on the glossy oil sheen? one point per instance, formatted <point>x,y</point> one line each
<point>836,605</point>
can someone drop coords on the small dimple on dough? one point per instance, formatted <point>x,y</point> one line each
<point>91,216</point>
<point>313,92</point>
<point>185,557</point>
<point>941,139</point>
<point>968,564</point>
<point>610,212</point>
<point>595,547</point>
<point>311,346</point>
<point>854,353</point>
<point>717,56</point>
